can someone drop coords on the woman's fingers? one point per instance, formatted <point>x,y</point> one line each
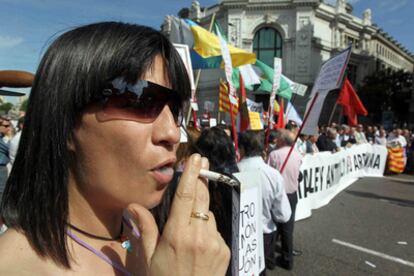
<point>182,205</point>
<point>147,227</point>
<point>191,245</point>
<point>202,197</point>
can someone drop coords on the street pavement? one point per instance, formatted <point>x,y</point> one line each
<point>373,216</point>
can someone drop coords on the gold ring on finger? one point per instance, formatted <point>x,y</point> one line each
<point>200,215</point>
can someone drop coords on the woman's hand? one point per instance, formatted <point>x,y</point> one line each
<point>189,245</point>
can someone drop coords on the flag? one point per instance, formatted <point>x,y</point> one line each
<point>266,74</point>
<point>250,77</point>
<point>224,101</point>
<point>281,117</point>
<point>244,112</point>
<point>207,51</point>
<point>395,160</point>
<point>296,88</point>
<point>292,114</point>
<point>352,105</point>
<point>181,33</point>
<point>276,106</point>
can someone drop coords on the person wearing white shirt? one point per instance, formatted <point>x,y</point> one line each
<point>14,142</point>
<point>360,135</point>
<point>276,207</point>
<point>301,144</point>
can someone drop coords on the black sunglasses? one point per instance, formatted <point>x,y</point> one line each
<point>141,102</point>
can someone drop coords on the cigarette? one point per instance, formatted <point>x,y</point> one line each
<point>213,176</point>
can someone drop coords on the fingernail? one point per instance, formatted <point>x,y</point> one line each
<point>204,162</point>
<point>196,159</point>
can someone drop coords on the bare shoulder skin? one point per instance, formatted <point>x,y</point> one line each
<point>18,257</point>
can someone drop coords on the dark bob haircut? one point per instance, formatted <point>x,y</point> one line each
<point>75,69</point>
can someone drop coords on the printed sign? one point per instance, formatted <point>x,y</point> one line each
<point>255,123</point>
<point>184,53</point>
<point>332,72</point>
<point>326,174</point>
<point>251,252</point>
<point>277,74</point>
<point>228,68</point>
<point>329,78</point>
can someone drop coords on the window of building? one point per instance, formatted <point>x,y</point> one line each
<point>267,44</point>
<point>352,73</point>
<point>352,40</point>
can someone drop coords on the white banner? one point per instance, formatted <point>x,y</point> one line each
<point>228,68</point>
<point>329,78</point>
<point>184,53</point>
<point>277,75</point>
<point>250,251</point>
<point>326,174</point>
<point>254,107</point>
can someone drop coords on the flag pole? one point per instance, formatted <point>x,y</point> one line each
<point>268,128</point>
<point>300,130</point>
<point>213,17</point>
<point>332,113</point>
<point>233,124</point>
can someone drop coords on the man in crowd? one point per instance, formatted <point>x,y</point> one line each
<point>347,138</point>
<point>381,139</point>
<point>276,207</point>
<point>360,135</point>
<point>326,142</point>
<point>311,146</point>
<point>370,134</point>
<point>4,154</point>
<point>14,142</point>
<point>290,175</point>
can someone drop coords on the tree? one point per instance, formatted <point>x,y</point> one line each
<point>5,107</point>
<point>387,90</point>
<point>23,106</point>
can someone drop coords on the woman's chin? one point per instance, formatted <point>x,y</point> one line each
<point>154,200</point>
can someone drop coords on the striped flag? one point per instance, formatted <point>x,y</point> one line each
<point>224,101</point>
<point>395,160</point>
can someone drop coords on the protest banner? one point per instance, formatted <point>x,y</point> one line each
<point>184,52</point>
<point>277,69</point>
<point>298,89</point>
<point>255,123</point>
<point>250,236</point>
<point>325,174</point>
<point>254,107</point>
<point>228,69</point>
<point>329,78</point>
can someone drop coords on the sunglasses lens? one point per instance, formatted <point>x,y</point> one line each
<point>142,106</point>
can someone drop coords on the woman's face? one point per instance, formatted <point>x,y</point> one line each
<point>124,161</point>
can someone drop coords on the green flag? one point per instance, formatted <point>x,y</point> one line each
<point>267,80</point>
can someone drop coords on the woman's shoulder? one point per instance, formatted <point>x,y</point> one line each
<point>18,257</point>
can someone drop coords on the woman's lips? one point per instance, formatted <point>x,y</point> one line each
<point>163,175</point>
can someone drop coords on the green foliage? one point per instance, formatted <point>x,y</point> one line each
<point>23,106</point>
<point>387,90</point>
<point>5,107</point>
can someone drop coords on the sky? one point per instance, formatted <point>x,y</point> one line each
<point>29,26</point>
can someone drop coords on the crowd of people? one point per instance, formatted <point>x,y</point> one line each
<point>279,183</point>
<point>335,137</point>
<point>10,132</point>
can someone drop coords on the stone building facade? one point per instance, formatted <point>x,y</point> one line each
<point>304,33</point>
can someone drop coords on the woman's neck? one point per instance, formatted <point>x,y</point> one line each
<point>92,215</point>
